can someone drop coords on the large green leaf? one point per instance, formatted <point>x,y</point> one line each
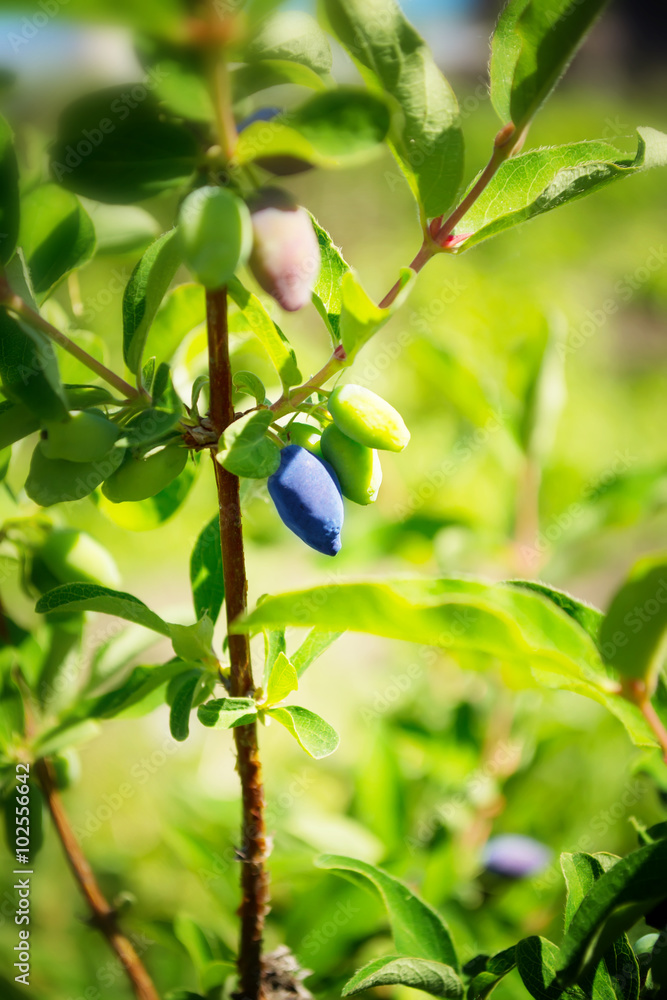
<point>293,36</point>
<point>537,961</point>
<point>418,973</point>
<point>536,182</point>
<point>633,635</point>
<point>586,615</point>
<point>9,194</point>
<point>311,732</point>
<point>334,128</point>
<point>531,49</point>
<point>632,887</point>
<point>327,294</point>
<point>91,597</point>
<point>258,321</point>
<point>57,236</point>
<point>418,930</point>
<point>29,369</point>
<point>428,142</point>
<point>119,148</point>
<point>206,576</point>
<point>144,293</point>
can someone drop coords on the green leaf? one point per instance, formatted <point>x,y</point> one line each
<point>206,574</point>
<point>245,450</point>
<point>182,310</point>
<point>144,293</point>
<point>360,317</point>
<point>282,680</point>
<point>142,682</point>
<point>545,395</point>
<point>293,36</point>
<point>29,369</point>
<point>418,973</point>
<point>9,194</point>
<point>335,128</point>
<point>327,295</point>
<point>586,615</point>
<point>315,643</point>
<point>184,92</point>
<point>250,384</point>
<point>122,229</point>
<point>418,930</point>
<point>580,871</point>
<point>120,152</point>
<point>272,340</point>
<point>531,49</point>
<point>633,635</point>
<point>543,179</point>
<point>497,967</point>
<point>90,597</point>
<point>181,706</point>
<point>57,236</point>
<point>193,939</point>
<point>55,480</point>
<point>227,713</point>
<point>194,642</point>
<point>248,80</point>
<point>537,961</point>
<point>632,887</point>
<point>311,732</point>
<point>428,142</point>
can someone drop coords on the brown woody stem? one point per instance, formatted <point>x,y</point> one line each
<point>104,917</point>
<point>253,853</point>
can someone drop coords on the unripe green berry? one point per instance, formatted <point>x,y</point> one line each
<point>141,478</point>
<point>357,467</point>
<point>215,234</point>
<point>367,418</point>
<point>306,436</point>
<point>85,437</point>
<point>73,556</point>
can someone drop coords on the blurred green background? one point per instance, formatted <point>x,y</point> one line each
<point>433,760</point>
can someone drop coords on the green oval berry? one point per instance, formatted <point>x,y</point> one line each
<point>367,418</point>
<point>55,480</point>
<point>305,436</point>
<point>141,478</point>
<point>73,556</point>
<point>85,437</point>
<point>66,768</point>
<point>215,233</point>
<point>357,467</point>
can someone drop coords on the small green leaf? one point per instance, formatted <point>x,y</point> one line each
<point>227,713</point>
<point>417,928</point>
<point>272,340</point>
<point>418,973</point>
<point>335,128</point>
<point>250,385</point>
<point>90,597</point>
<point>142,682</point>
<point>29,369</point>
<point>206,574</point>
<point>360,317</point>
<point>428,142</point>
<point>327,296</point>
<point>497,967</point>
<point>274,645</point>
<point>633,635</point>
<point>144,293</point>
<point>55,480</point>
<point>315,643</point>
<point>282,680</point>
<point>194,642</point>
<point>9,194</point>
<point>215,234</point>
<point>248,80</point>
<point>193,939</point>
<point>57,236</point>
<point>293,36</point>
<point>533,44</point>
<point>116,152</point>
<point>245,450</point>
<point>311,732</point>
<point>184,92</point>
<point>181,706</point>
<point>543,179</point>
<point>537,962</point>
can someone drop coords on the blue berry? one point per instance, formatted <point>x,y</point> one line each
<point>514,856</point>
<point>307,496</point>
<point>260,115</point>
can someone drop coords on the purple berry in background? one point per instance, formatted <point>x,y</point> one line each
<point>285,257</point>
<point>307,496</point>
<point>513,855</point>
<point>260,115</point>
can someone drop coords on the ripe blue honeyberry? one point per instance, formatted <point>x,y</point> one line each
<point>285,256</point>
<point>308,498</point>
<point>260,115</point>
<point>513,855</point>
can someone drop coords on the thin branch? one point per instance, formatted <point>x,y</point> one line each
<point>254,848</point>
<point>294,397</point>
<point>655,722</point>
<point>104,917</point>
<point>21,309</point>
